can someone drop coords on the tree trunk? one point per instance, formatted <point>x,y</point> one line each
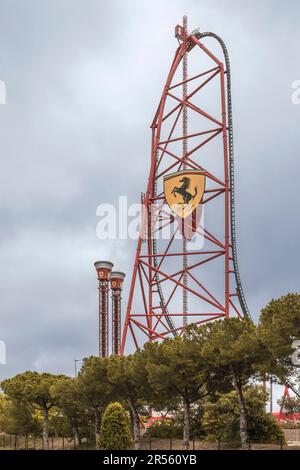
<point>131,421</point>
<point>243,413</point>
<point>46,429</point>
<point>186,425</point>
<point>136,425</point>
<point>77,435</point>
<point>97,427</point>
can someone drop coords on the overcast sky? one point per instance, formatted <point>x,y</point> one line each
<point>83,81</point>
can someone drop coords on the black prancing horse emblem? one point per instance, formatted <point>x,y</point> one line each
<point>183,190</point>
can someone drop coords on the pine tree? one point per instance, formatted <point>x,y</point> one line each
<point>128,380</point>
<point>34,390</point>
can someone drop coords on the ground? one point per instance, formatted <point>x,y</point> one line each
<point>176,444</point>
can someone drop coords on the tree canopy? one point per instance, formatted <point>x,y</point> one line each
<point>205,378</point>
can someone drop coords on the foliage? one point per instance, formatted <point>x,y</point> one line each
<point>93,389</point>
<point>115,429</point>
<point>221,418</point>
<point>279,327</point>
<point>59,425</point>
<point>231,346</point>
<point>34,390</point>
<point>176,368</point>
<point>290,404</point>
<point>71,416</point>
<point>203,379</point>
<point>165,429</point>
<point>233,350</point>
<point>128,380</point>
<point>92,385</point>
<point>16,418</point>
<point>280,320</point>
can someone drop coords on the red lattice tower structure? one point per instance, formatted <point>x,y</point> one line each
<point>282,415</point>
<point>192,275</point>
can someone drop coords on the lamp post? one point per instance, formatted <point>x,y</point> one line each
<point>103,269</point>
<point>75,364</point>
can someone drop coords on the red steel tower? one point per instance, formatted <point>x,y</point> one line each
<point>191,274</point>
<point>116,283</point>
<point>103,269</point>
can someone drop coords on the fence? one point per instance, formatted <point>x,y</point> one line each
<point>150,443</point>
<point>292,436</point>
<point>18,442</point>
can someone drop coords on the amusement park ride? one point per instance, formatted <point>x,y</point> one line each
<point>191,275</point>
<point>185,271</point>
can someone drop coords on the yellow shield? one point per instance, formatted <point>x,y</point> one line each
<point>184,191</point>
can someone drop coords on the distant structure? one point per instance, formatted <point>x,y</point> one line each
<point>103,269</point>
<point>116,284</point>
<point>283,416</point>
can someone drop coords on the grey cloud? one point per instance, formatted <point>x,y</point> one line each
<point>83,82</point>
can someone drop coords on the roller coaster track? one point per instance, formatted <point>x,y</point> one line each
<point>239,287</point>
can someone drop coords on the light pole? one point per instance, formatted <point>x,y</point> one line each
<point>75,363</point>
<point>271,394</point>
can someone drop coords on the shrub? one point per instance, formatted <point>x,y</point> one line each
<point>115,429</point>
<point>264,428</point>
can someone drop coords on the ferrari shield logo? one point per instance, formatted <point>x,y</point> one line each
<point>184,191</point>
